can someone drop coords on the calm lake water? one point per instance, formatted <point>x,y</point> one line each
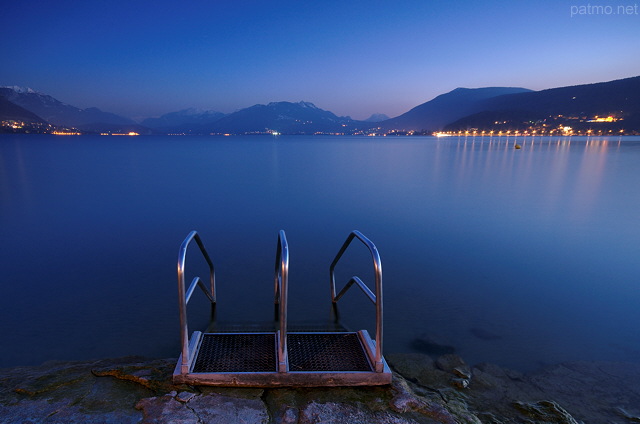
<point>516,257</point>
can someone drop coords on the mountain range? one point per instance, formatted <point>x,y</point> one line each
<point>183,121</point>
<point>60,114</point>
<point>285,118</point>
<point>434,115</point>
<point>462,109</point>
<point>577,106</point>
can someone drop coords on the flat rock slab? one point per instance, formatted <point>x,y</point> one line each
<point>68,392</point>
<point>195,409</point>
<point>424,390</point>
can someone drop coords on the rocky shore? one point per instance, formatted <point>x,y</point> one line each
<point>424,390</point>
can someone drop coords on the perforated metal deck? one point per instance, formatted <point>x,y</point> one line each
<point>314,359</point>
<point>236,353</point>
<point>326,352</point>
<point>329,326</point>
<point>308,352</point>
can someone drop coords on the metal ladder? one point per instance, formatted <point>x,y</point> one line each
<point>274,356</point>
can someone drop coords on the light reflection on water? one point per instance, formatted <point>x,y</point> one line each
<point>513,256</point>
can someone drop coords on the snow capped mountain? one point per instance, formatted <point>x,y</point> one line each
<point>308,104</point>
<point>29,99</point>
<point>377,117</point>
<point>301,103</point>
<point>21,90</point>
<point>283,117</point>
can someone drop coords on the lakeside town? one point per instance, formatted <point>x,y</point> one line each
<point>599,128</point>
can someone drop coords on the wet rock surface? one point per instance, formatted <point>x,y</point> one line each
<point>426,390</point>
<point>574,392</point>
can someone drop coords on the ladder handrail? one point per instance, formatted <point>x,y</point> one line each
<point>375,298</point>
<point>281,283</point>
<point>185,296</point>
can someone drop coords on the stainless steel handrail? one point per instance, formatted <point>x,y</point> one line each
<point>375,298</point>
<point>185,296</point>
<point>281,282</point>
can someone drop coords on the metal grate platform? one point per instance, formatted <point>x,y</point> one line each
<point>221,353</point>
<point>278,353</point>
<point>252,360</point>
<point>272,326</point>
<point>242,327</point>
<point>309,352</point>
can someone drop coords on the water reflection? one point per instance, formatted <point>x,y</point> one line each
<point>548,163</point>
<point>514,256</point>
<point>14,174</point>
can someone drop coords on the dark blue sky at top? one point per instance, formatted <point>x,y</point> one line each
<point>145,58</point>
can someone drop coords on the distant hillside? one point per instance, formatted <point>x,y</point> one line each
<point>11,111</point>
<point>574,105</point>
<point>283,117</point>
<point>58,113</point>
<point>183,121</point>
<point>16,119</point>
<point>446,108</point>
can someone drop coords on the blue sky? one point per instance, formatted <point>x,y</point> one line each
<point>146,58</point>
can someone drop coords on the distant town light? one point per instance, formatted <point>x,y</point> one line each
<point>65,133</point>
<point>601,119</point>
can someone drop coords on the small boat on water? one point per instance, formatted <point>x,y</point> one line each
<point>280,353</point>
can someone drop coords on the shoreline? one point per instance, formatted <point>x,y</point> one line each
<point>424,390</point>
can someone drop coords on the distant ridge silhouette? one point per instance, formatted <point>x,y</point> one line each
<point>458,110</point>
<point>619,97</point>
<point>446,108</point>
